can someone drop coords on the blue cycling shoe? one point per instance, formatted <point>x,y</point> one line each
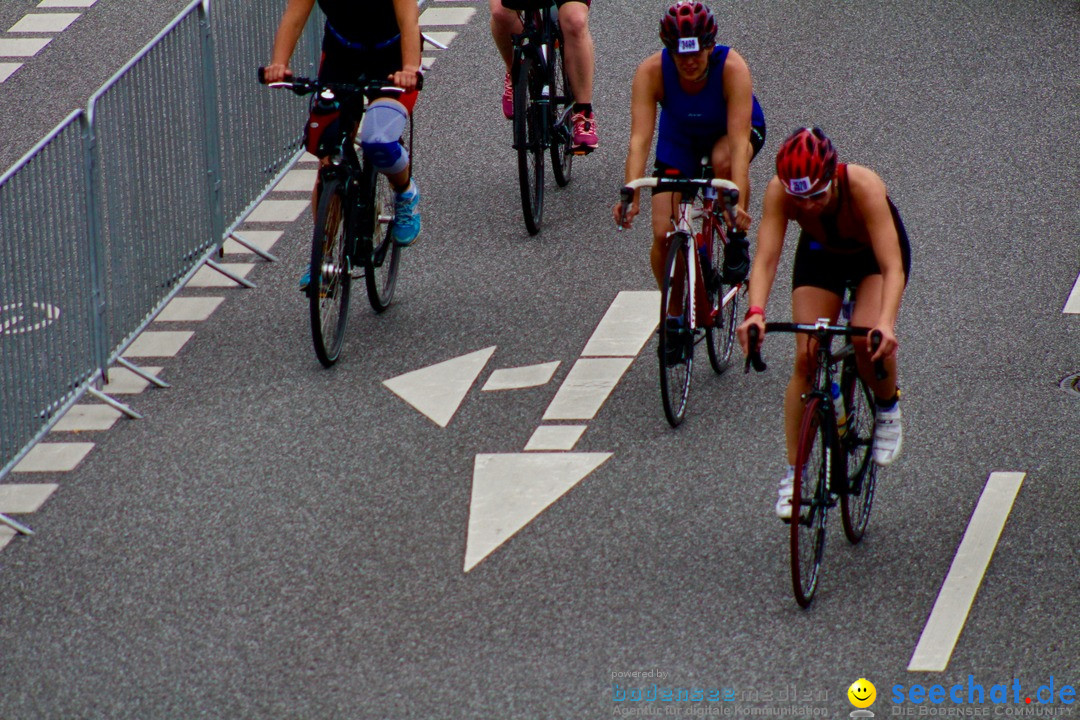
<point>406,224</point>
<point>305,279</point>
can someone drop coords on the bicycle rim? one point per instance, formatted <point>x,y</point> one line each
<point>810,501</point>
<point>562,159</point>
<point>675,349</point>
<point>530,149</point>
<point>857,440</point>
<point>721,338</point>
<point>381,263</point>
<point>328,290</point>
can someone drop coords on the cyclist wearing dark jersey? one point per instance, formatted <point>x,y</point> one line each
<point>851,236</point>
<point>708,112</point>
<point>375,39</point>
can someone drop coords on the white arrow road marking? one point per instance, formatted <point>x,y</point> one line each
<point>626,326</point>
<point>965,575</point>
<point>521,377</point>
<point>1072,305</point>
<point>586,387</point>
<point>510,490</point>
<point>555,437</point>
<point>438,390</point>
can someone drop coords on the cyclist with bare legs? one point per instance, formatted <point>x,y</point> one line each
<point>851,236</point>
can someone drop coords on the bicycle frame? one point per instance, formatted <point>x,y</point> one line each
<point>540,31</point>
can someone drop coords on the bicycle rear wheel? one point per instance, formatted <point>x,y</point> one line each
<point>857,440</point>
<point>527,141</point>
<point>329,287</point>
<point>562,133</point>
<point>380,255</point>
<point>676,346</point>
<point>810,500</point>
<point>721,336</point>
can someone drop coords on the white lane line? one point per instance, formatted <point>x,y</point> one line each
<point>520,378</point>
<point>124,382</point>
<point>24,498</point>
<point>158,343</point>
<point>1072,305</point>
<point>278,211</point>
<point>53,457</point>
<point>438,390</point>
<point>262,239</point>
<point>298,180</point>
<point>22,47</point>
<point>7,69</point>
<point>444,37</point>
<point>208,277</point>
<point>446,16</point>
<point>44,22</point>
<point>189,309</point>
<point>65,3</point>
<point>510,490</point>
<point>965,575</point>
<point>586,387</point>
<point>626,326</point>
<point>87,417</point>
<point>555,437</point>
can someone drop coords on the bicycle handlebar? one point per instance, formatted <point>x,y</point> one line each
<point>821,329</point>
<point>729,191</point>
<point>306,86</point>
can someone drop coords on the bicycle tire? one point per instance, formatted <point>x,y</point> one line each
<point>720,339</point>
<point>331,281</point>
<point>527,141</point>
<point>676,349</point>
<point>810,500</point>
<point>857,440</point>
<point>379,254</point>
<point>562,130</point>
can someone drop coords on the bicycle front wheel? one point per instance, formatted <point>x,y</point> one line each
<point>676,346</point>
<point>857,440</point>
<point>721,335</point>
<point>380,255</point>
<point>328,289</point>
<point>810,500</point>
<point>562,140</point>
<point>527,140</point>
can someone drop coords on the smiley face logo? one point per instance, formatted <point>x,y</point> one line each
<point>862,693</point>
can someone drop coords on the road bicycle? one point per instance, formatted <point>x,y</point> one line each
<point>353,210</point>
<point>833,458</point>
<point>543,102</point>
<point>694,280</point>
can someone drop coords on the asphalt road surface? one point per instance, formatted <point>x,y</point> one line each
<point>276,540</point>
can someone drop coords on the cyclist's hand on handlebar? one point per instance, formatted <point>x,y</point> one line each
<point>743,332</point>
<point>742,219</point>
<point>276,73</point>
<point>888,345</point>
<point>624,214</point>
<point>405,78</point>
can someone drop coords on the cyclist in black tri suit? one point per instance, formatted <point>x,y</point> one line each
<point>375,39</point>
<point>852,236</point>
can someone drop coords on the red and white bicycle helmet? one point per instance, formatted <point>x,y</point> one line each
<point>806,162</point>
<point>688,26</point>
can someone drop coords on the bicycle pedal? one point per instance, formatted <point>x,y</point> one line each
<point>581,150</point>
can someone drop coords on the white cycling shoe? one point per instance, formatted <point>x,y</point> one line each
<point>888,435</point>
<point>784,493</point>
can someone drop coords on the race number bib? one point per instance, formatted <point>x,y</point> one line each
<point>688,45</point>
<point>799,186</point>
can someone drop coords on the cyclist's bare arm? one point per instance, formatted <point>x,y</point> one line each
<point>407,13</point>
<point>770,243</point>
<point>646,92</point>
<point>288,33</point>
<point>870,196</point>
<point>739,94</point>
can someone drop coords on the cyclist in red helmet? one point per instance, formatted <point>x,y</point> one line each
<point>852,236</point>
<point>580,61</point>
<point>707,112</point>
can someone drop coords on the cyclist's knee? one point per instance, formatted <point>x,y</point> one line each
<point>574,21</point>
<point>380,135</point>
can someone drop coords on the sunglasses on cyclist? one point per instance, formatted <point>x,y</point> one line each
<point>811,196</point>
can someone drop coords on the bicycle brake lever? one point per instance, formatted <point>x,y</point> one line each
<point>879,365</point>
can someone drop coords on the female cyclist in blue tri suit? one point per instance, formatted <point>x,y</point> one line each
<point>708,110</point>
<point>376,39</point>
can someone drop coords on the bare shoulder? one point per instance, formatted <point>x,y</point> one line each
<point>649,76</point>
<point>865,184</point>
<point>775,199</point>
<point>736,62</point>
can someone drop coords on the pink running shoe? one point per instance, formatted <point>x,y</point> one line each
<point>508,97</point>
<point>585,139</point>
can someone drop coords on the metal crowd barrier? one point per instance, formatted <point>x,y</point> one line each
<point>104,221</point>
